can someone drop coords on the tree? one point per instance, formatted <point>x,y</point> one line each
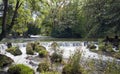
<point>5,28</point>
<point>65,19</point>
<point>102,16</point>
<point>3,33</point>
<point>22,14</point>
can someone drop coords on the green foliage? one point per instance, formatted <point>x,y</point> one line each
<point>20,69</point>
<point>43,67</point>
<point>101,19</point>
<point>65,20</point>
<point>14,50</point>
<point>62,19</point>
<point>5,61</point>
<point>33,29</point>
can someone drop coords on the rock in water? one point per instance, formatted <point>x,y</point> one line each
<point>5,61</point>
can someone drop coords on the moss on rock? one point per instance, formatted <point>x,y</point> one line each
<point>43,53</point>
<point>20,69</point>
<point>39,48</point>
<point>5,61</point>
<point>29,49</point>
<point>35,47</point>
<point>14,50</point>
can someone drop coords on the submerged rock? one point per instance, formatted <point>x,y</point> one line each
<point>5,61</point>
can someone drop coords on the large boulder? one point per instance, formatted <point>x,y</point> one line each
<point>29,49</point>
<point>14,51</point>
<point>5,61</point>
<point>35,47</point>
<point>20,69</point>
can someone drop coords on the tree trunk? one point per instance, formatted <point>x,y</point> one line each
<point>4,18</point>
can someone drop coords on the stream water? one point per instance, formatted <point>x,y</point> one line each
<point>68,48</point>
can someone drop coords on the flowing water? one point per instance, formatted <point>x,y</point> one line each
<point>68,48</point>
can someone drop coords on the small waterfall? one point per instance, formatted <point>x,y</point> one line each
<point>19,44</point>
<point>69,44</point>
<point>68,48</point>
<point>2,48</point>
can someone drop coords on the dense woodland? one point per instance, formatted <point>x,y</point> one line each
<point>60,18</point>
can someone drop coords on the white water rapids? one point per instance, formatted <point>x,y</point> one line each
<point>68,48</point>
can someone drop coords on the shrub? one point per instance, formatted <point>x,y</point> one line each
<point>73,66</point>
<point>43,67</point>
<point>20,69</point>
<point>14,50</point>
<point>69,69</point>
<point>43,53</point>
<point>5,61</point>
<point>56,58</point>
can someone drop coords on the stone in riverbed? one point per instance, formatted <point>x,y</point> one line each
<point>14,51</point>
<point>5,61</point>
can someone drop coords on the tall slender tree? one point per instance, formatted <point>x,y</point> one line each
<point>4,18</point>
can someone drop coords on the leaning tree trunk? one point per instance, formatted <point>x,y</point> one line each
<point>4,18</point>
<point>18,4</point>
